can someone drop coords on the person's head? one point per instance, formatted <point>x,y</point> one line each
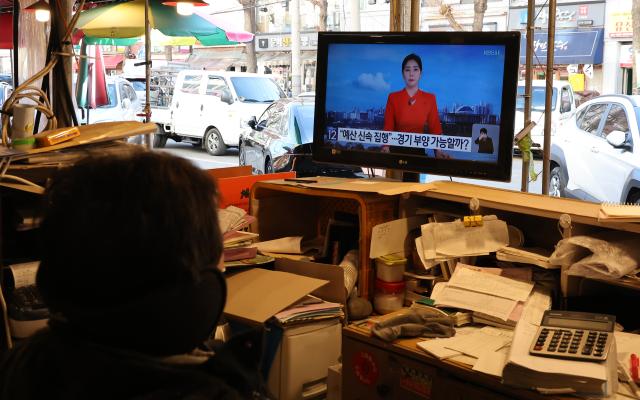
<point>130,245</point>
<point>483,132</point>
<point>411,70</point>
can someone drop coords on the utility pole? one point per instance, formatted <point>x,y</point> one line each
<point>295,48</point>
<point>250,26</point>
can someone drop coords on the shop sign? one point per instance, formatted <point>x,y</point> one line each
<point>567,16</point>
<point>621,24</point>
<point>282,42</point>
<point>626,56</point>
<point>572,68</point>
<point>570,47</point>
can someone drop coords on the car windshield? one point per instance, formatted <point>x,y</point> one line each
<point>303,120</point>
<point>537,97</point>
<point>255,89</point>
<point>113,96</point>
<point>138,86</point>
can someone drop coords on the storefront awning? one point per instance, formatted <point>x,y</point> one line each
<point>112,61</point>
<point>6,31</point>
<point>571,46</point>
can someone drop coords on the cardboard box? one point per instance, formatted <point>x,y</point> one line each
<point>256,295</point>
<point>234,184</point>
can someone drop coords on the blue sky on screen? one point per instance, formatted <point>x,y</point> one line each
<point>363,75</point>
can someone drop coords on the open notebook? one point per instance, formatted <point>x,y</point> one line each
<point>619,212</point>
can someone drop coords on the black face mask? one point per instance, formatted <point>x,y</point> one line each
<point>162,322</point>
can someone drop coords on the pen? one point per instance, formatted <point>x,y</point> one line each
<point>300,180</point>
<point>634,367</point>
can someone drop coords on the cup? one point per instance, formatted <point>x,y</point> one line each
<point>23,120</point>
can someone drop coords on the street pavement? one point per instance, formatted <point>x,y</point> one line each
<point>205,161</point>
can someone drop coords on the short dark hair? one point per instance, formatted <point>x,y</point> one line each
<point>483,130</point>
<point>413,57</point>
<point>118,228</point>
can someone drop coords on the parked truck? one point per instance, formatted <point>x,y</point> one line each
<point>210,108</point>
<point>563,106</point>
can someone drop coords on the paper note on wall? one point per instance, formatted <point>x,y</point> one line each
<point>389,237</point>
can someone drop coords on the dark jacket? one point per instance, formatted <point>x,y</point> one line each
<point>56,365</point>
<point>485,146</point>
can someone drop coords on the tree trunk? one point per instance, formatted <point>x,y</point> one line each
<point>322,18</point>
<point>250,26</point>
<point>635,12</point>
<point>322,13</point>
<point>479,7</point>
<point>168,53</point>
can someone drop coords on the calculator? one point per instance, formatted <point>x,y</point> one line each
<point>574,335</point>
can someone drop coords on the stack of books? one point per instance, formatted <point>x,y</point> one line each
<point>233,222</point>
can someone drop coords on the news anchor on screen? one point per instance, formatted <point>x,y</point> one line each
<point>411,109</point>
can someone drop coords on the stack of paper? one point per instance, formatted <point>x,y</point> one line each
<point>236,241</point>
<point>472,342</point>
<point>491,295</point>
<point>534,256</point>
<point>310,308</point>
<point>551,375</point>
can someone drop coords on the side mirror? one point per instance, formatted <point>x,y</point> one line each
<point>126,104</point>
<point>226,97</point>
<point>617,139</point>
<point>565,106</point>
<point>252,122</point>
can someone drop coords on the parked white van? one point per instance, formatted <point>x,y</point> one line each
<point>563,106</point>
<point>210,108</point>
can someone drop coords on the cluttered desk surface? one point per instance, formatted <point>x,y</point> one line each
<point>486,371</point>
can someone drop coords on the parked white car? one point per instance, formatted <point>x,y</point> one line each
<point>123,104</point>
<point>211,108</point>
<point>597,156</point>
<point>562,108</point>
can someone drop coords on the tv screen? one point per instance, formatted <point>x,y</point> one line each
<point>431,102</point>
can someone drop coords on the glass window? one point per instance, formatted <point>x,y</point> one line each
<point>216,86</point>
<point>256,89</point>
<point>616,120</point>
<point>537,97</point>
<point>130,93</point>
<point>591,118</point>
<point>303,120</point>
<point>191,84</point>
<point>275,117</point>
<point>113,96</point>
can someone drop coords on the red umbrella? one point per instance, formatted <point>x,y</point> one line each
<point>6,31</point>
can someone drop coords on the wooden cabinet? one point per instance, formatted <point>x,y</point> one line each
<point>285,210</point>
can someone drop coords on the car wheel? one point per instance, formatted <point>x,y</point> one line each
<point>556,183</point>
<point>158,140</point>
<point>268,167</point>
<point>213,143</point>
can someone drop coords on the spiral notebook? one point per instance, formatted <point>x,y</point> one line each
<point>619,212</point>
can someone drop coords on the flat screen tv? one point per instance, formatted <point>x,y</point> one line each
<point>431,102</point>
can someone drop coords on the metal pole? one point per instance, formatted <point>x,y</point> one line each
<point>531,9</point>
<point>147,70</point>
<point>551,36</point>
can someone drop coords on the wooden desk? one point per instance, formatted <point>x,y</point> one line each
<point>374,369</point>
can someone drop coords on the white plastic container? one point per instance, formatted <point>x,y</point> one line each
<point>389,296</point>
<point>390,268</point>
